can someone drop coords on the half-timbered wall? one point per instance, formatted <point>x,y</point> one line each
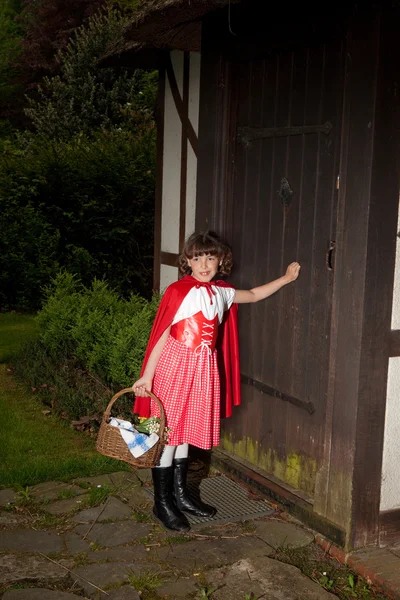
<point>177,153</point>
<point>390,493</point>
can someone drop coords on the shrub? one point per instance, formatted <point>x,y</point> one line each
<point>91,344</point>
<point>29,249</point>
<point>86,205</point>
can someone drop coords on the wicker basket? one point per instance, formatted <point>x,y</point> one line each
<point>110,441</point>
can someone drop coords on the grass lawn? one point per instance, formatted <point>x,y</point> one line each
<point>35,447</point>
<point>15,329</point>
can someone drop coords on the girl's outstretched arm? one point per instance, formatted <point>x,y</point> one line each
<point>146,381</point>
<point>263,291</point>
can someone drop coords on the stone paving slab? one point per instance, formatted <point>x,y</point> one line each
<point>121,554</point>
<point>144,475</point>
<point>380,561</point>
<point>8,496</point>
<point>270,578</point>
<point>395,550</point>
<point>38,594</point>
<point>111,510</point>
<point>210,553</point>
<point>126,592</point>
<point>282,534</point>
<point>15,568</point>
<point>11,518</point>
<point>124,479</point>
<point>25,540</point>
<point>110,535</point>
<point>106,575</point>
<point>75,544</point>
<point>179,588</point>
<point>137,498</point>
<point>61,507</point>
<point>96,481</point>
<point>52,490</point>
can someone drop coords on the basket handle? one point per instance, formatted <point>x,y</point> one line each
<point>107,412</point>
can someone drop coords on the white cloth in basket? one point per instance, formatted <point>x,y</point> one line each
<point>138,443</point>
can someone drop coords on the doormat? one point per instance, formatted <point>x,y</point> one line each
<point>229,498</point>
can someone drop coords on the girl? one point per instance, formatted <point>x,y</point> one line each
<point>192,360</point>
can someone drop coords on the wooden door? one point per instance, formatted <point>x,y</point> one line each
<point>283,208</point>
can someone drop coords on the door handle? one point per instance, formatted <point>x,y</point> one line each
<point>330,256</point>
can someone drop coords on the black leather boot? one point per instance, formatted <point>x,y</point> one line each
<point>164,507</point>
<point>182,500</point>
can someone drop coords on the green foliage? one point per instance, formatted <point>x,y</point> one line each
<point>85,96</point>
<point>79,193</point>
<point>206,592</point>
<point>91,342</point>
<point>28,252</point>
<point>86,205</point>
<point>145,581</point>
<point>10,49</point>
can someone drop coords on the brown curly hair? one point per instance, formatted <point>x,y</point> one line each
<point>205,242</point>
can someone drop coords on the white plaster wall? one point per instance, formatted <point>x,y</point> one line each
<point>171,163</point>
<point>390,491</point>
<point>167,276</point>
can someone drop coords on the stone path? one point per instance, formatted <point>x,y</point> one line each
<point>95,538</point>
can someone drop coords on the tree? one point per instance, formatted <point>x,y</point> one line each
<point>83,96</point>
<point>10,51</point>
<point>47,28</point>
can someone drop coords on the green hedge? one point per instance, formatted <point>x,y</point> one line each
<point>86,205</point>
<point>91,344</point>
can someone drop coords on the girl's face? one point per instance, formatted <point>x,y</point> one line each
<point>204,267</point>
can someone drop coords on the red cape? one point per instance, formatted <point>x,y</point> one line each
<point>227,343</point>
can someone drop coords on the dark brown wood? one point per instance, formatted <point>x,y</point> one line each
<point>325,339</point>
<point>248,134</point>
<point>159,175</point>
<point>364,266</point>
<point>394,342</point>
<point>169,258</point>
<point>180,107</point>
<point>263,388</point>
<point>216,143</point>
<point>283,343</point>
<point>389,527</point>
<point>378,290</point>
<point>184,148</point>
<point>289,500</point>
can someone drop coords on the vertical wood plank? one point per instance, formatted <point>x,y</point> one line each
<point>364,243</point>
<point>382,228</point>
<point>159,175</point>
<point>184,148</point>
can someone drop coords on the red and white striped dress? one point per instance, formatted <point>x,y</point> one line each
<point>186,379</point>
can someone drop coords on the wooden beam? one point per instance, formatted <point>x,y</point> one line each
<point>180,105</point>
<point>378,290</point>
<point>249,134</point>
<point>348,493</point>
<point>159,178</point>
<point>389,527</point>
<point>184,148</point>
<point>394,343</point>
<point>169,258</point>
<point>263,388</point>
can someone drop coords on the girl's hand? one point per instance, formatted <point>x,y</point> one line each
<point>292,272</point>
<point>141,385</point>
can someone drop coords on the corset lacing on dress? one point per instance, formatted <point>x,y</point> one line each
<point>207,338</point>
